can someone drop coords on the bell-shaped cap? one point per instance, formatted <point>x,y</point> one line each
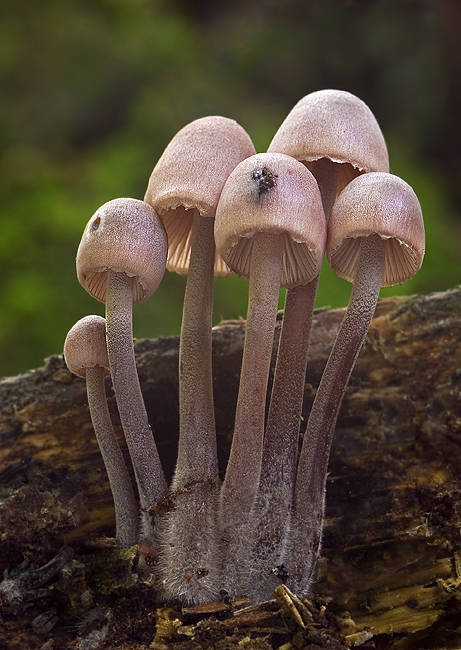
<point>272,193</point>
<point>381,204</point>
<point>85,345</point>
<point>190,176</point>
<point>336,125</point>
<point>125,236</point>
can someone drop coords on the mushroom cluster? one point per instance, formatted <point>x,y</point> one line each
<point>213,206</point>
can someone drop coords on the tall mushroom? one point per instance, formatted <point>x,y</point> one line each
<point>337,137</point>
<point>85,353</point>
<point>120,261</point>
<point>269,227</point>
<point>375,239</point>
<point>184,189</point>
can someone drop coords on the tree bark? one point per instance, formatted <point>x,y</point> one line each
<point>390,571</point>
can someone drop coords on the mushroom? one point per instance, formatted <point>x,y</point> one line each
<point>375,238</point>
<point>336,136</point>
<point>85,353</point>
<point>120,261</point>
<point>184,189</point>
<point>269,227</point>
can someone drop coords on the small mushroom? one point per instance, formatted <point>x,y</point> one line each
<point>269,227</point>
<point>375,239</point>
<point>121,261</point>
<point>184,189</point>
<point>85,353</point>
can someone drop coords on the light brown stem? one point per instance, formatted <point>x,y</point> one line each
<point>282,431</point>
<point>126,508</point>
<point>190,560</point>
<point>244,467</point>
<point>309,502</point>
<point>275,494</point>
<point>140,441</point>
<point>197,459</point>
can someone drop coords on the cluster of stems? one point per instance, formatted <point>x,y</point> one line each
<point>261,523</point>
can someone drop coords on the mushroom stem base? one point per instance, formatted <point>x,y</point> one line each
<point>275,494</point>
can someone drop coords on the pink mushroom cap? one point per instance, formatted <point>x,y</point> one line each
<point>382,204</point>
<point>272,193</point>
<point>124,236</point>
<point>85,345</point>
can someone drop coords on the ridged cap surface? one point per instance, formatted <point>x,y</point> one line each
<point>337,125</point>
<point>85,345</point>
<point>190,176</point>
<point>382,204</point>
<point>272,193</point>
<point>126,236</point>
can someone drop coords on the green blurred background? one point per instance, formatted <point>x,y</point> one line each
<point>93,92</point>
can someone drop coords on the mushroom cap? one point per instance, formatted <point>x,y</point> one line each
<point>382,204</point>
<point>125,236</point>
<point>190,175</point>
<point>85,345</point>
<point>337,125</point>
<point>272,193</point>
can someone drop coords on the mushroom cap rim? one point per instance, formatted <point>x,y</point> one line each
<point>345,276</point>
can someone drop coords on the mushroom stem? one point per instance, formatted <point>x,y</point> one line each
<point>197,458</point>
<point>244,466</point>
<point>327,175</point>
<point>309,500</point>
<point>126,508</point>
<point>275,494</point>
<point>276,488</point>
<point>140,441</point>
<point>189,562</point>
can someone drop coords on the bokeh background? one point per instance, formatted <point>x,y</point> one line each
<point>93,91</point>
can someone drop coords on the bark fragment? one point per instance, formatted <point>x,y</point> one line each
<point>390,573</point>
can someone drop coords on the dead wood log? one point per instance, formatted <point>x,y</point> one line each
<point>391,560</point>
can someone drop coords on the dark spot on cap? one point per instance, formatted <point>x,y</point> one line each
<point>264,179</point>
<point>95,224</point>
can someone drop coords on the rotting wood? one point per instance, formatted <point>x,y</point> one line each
<point>390,573</point>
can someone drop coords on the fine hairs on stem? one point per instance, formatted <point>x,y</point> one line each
<point>275,491</point>
<point>121,260</point>
<point>143,450</point>
<point>270,228</point>
<point>184,188</point>
<point>262,216</point>
<point>375,238</point>
<point>244,465</point>
<point>190,559</point>
<point>309,499</point>
<point>335,151</point>
<point>126,507</point>
<point>85,353</point>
